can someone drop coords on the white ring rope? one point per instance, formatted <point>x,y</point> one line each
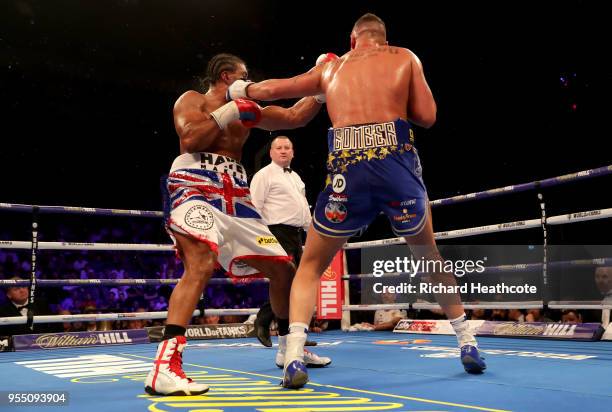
<point>472,231</point>
<point>519,267</point>
<point>516,188</point>
<point>553,304</point>
<point>97,317</point>
<point>142,247</point>
<point>530,304</point>
<point>500,227</point>
<point>121,282</point>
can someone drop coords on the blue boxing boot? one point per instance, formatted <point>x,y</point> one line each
<point>472,362</point>
<point>295,374</point>
<point>470,357</point>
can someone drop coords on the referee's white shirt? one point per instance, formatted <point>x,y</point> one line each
<point>280,197</point>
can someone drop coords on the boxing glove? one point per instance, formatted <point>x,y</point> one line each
<point>247,111</point>
<point>237,90</point>
<point>323,59</point>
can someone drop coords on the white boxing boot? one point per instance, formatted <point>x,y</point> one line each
<point>311,360</point>
<point>167,376</point>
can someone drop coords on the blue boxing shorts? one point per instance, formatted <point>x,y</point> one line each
<point>372,168</point>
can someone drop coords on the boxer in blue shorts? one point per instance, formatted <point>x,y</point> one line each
<point>363,162</point>
<point>371,92</point>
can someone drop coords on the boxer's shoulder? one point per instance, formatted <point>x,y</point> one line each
<point>189,99</point>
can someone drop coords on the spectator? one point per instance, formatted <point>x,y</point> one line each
<point>159,304</point>
<point>478,314</point>
<point>17,305</point>
<point>516,315</point>
<point>70,326</point>
<point>536,315</point>
<point>212,320</point>
<point>571,316</point>
<point>384,319</point>
<point>500,315</point>
<point>92,325</point>
<point>603,280</point>
<point>137,323</point>
<point>318,325</point>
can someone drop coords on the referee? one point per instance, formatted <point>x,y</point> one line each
<point>279,194</point>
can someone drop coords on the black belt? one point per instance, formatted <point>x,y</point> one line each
<point>293,228</point>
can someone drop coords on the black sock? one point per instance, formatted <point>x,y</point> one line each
<point>265,316</point>
<point>283,326</point>
<point>171,331</point>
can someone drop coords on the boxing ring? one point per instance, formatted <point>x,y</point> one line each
<point>370,370</point>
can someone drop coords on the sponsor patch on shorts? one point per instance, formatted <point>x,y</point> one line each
<point>266,240</point>
<point>338,183</point>
<point>199,217</point>
<point>335,212</point>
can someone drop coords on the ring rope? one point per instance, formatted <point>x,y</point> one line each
<point>522,187</point>
<point>550,182</point>
<point>499,227</point>
<point>472,231</point>
<point>97,317</point>
<point>115,282</point>
<point>522,267</point>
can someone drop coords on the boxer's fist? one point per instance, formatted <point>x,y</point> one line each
<point>237,90</point>
<point>247,111</point>
<point>250,112</point>
<point>322,59</point>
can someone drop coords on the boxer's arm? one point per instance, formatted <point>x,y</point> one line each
<point>421,103</point>
<point>197,130</point>
<point>307,84</point>
<point>280,118</point>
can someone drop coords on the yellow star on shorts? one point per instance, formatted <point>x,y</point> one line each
<point>371,154</point>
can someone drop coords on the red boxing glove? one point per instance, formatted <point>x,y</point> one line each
<point>323,59</point>
<point>250,112</point>
<point>326,57</point>
<point>247,111</point>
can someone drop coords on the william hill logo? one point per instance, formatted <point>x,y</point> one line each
<point>266,240</point>
<point>64,341</point>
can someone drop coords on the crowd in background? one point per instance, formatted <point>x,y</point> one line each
<point>76,299</point>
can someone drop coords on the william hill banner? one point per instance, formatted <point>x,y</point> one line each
<point>329,302</point>
<point>79,339</point>
<point>540,330</point>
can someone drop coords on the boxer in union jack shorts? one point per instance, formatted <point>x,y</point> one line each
<point>210,216</point>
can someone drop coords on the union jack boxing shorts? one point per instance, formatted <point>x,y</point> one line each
<point>209,200</point>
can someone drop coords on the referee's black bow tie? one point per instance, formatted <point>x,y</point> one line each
<point>287,169</point>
